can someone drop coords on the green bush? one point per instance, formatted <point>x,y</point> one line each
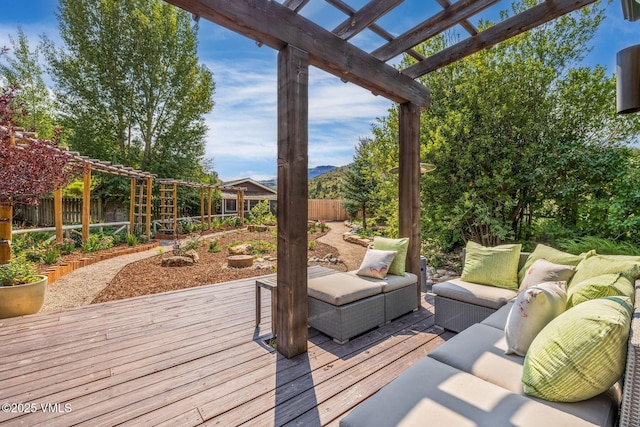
<point>132,239</point>
<point>66,247</point>
<point>34,255</point>
<point>192,242</point>
<point>19,271</point>
<point>601,245</point>
<point>213,246</point>
<point>51,256</point>
<point>97,242</point>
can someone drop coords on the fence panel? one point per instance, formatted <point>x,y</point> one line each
<point>43,214</point>
<point>327,209</point>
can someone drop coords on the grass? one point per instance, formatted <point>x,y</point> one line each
<point>601,245</point>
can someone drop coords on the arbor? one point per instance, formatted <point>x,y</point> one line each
<point>517,132</point>
<point>130,88</point>
<point>23,71</point>
<point>360,183</point>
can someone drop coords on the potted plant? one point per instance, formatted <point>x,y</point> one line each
<point>22,289</point>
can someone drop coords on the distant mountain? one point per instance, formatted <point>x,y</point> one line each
<point>319,170</point>
<point>313,173</point>
<point>328,185</point>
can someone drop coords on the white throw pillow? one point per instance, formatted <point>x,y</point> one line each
<point>542,271</point>
<point>376,263</point>
<point>530,313</point>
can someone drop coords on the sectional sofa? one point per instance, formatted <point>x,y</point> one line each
<point>470,380</point>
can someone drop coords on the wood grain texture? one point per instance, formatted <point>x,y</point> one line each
<point>194,357</point>
<point>293,163</point>
<point>364,17</point>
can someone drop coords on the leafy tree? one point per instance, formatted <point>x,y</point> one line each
<point>23,71</point>
<point>130,87</point>
<point>516,132</point>
<point>360,183</point>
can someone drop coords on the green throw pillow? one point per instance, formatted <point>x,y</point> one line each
<point>400,246</point>
<point>605,285</point>
<point>580,353</point>
<point>598,265</point>
<point>496,266</point>
<point>552,255</point>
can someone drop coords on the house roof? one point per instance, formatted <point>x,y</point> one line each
<point>244,182</point>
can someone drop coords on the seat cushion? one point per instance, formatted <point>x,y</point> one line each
<point>391,282</point>
<point>480,350</point>
<point>473,293</point>
<point>498,319</point>
<point>342,288</point>
<point>433,393</point>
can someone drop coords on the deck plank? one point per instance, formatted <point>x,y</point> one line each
<point>194,357</point>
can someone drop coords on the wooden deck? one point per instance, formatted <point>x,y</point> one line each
<point>192,357</point>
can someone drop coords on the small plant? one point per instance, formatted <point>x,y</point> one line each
<point>132,239</point>
<point>213,246</point>
<point>66,247</point>
<point>311,245</point>
<point>323,226</point>
<point>97,242</point>
<point>34,255</point>
<point>19,271</point>
<point>160,253</point>
<point>51,256</point>
<point>192,242</point>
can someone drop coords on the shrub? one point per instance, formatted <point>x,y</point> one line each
<point>19,271</point>
<point>192,242</point>
<point>51,256</point>
<point>66,247</point>
<point>132,240</point>
<point>213,246</point>
<point>311,245</point>
<point>601,245</point>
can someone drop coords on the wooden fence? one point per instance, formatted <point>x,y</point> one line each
<point>42,215</point>
<point>327,210</point>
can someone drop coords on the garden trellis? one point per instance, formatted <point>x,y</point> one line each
<point>141,193</point>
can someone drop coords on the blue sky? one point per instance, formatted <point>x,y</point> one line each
<point>242,126</point>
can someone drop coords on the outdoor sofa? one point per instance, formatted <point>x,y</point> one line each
<point>470,380</point>
<point>344,305</point>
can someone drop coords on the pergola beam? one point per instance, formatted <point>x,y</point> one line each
<point>257,19</point>
<point>524,21</point>
<point>366,16</point>
<point>433,26</point>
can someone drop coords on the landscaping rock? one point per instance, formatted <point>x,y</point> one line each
<point>177,261</point>
<point>241,249</point>
<point>193,255</point>
<point>240,261</point>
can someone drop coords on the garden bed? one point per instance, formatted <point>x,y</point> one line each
<point>147,276</point>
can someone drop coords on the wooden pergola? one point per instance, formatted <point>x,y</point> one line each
<point>169,199</point>
<point>302,42</point>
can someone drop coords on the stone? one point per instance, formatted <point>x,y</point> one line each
<point>193,255</point>
<point>177,261</point>
<point>241,249</point>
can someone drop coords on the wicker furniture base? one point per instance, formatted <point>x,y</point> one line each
<point>457,315</point>
<point>346,321</point>
<point>400,301</point>
<point>630,409</point>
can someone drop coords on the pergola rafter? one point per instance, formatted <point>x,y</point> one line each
<point>302,42</point>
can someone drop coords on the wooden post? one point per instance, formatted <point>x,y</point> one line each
<point>86,203</point>
<point>209,208</point>
<point>132,207</point>
<point>6,217</point>
<point>57,214</point>
<point>148,212</point>
<point>409,185</point>
<point>175,210</point>
<point>293,147</point>
<point>163,200</point>
<point>202,207</point>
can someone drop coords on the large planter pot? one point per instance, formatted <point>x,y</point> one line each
<point>22,299</point>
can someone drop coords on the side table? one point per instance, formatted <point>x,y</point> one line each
<point>269,283</point>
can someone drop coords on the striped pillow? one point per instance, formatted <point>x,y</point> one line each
<point>580,353</point>
<point>605,285</point>
<point>493,266</point>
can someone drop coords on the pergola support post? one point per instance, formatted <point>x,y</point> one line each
<point>57,214</point>
<point>132,207</point>
<point>209,208</point>
<point>148,209</point>
<point>409,185</point>
<point>86,203</point>
<point>293,147</point>
<point>202,208</point>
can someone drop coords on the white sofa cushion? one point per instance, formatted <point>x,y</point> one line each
<point>473,293</point>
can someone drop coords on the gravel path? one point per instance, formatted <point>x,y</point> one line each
<point>81,286</point>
